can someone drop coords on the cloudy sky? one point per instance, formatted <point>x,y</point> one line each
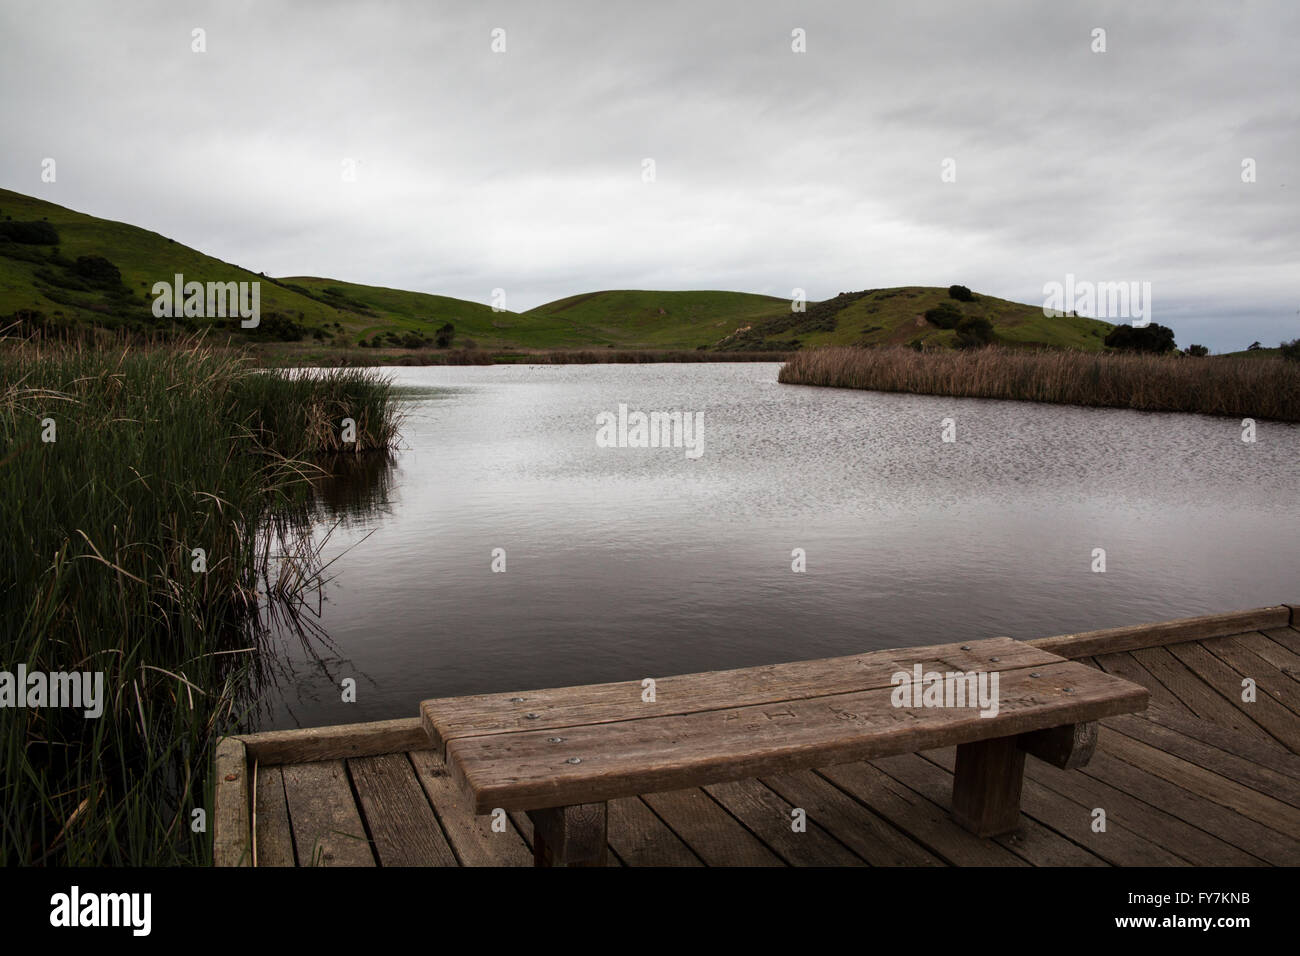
<point>773,170</point>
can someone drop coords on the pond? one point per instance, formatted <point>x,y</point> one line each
<point>626,562</point>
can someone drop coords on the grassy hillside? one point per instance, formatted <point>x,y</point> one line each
<point>46,283</point>
<point>628,317</point>
<point>43,278</point>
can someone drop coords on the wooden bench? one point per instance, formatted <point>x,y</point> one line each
<point>561,754</point>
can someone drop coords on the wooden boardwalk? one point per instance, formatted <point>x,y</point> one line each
<point>1200,779</point>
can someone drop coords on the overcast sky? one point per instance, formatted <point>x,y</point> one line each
<point>821,170</point>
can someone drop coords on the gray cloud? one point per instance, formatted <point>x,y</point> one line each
<point>820,170</point>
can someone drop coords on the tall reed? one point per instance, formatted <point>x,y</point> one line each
<point>136,544</point>
<point>1221,385</point>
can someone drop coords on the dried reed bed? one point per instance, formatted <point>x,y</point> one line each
<point>1236,386</point>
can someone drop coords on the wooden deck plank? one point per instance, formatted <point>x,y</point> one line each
<point>1288,637</point>
<point>1280,713</point>
<point>272,835</point>
<point>768,816</point>
<point>585,764</point>
<point>1050,828</point>
<point>1194,809</point>
<point>557,708</point>
<point>869,836</point>
<point>472,838</point>
<point>922,819</point>
<point>1189,842</point>
<point>1221,790</point>
<point>1277,653</point>
<point>402,824</point>
<point>1260,777</point>
<point>327,828</point>
<point>714,835</point>
<point>1192,689</point>
<point>1265,751</point>
<point>641,839</point>
<point>1275,720</point>
<point>1067,817</point>
<point>1125,665</point>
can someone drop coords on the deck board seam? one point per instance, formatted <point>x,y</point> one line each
<point>361,811</point>
<point>680,838</point>
<point>1224,696</point>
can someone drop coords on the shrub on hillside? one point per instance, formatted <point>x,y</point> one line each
<point>974,331</point>
<point>1151,338</point>
<point>1197,350</point>
<point>945,315</point>
<point>444,335</point>
<point>960,293</point>
<point>1291,350</point>
<point>29,233</point>
<point>97,270</point>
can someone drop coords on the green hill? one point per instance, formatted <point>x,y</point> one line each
<point>92,271</point>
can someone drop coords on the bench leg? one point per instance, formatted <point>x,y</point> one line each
<point>570,836</point>
<point>1066,747</point>
<point>986,786</point>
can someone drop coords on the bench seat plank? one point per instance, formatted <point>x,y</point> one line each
<point>530,769</point>
<point>484,714</point>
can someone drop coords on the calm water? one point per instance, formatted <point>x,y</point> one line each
<point>624,563</point>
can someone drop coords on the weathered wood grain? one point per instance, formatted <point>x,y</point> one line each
<point>1066,747</point>
<point>327,827</point>
<point>401,821</point>
<point>986,786</point>
<point>1034,839</point>
<point>1228,793</point>
<point>231,812</point>
<point>768,816</point>
<point>712,833</point>
<point>640,838</point>
<point>1265,713</point>
<point>1263,777</point>
<point>599,762</point>
<point>926,821</point>
<point>472,837</point>
<point>1111,640</point>
<point>272,836</point>
<point>309,744</point>
<point>1125,665</point>
<point>449,718</point>
<point>570,836</point>
<point>1192,808</point>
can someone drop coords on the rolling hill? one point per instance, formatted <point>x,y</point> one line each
<point>91,271</point>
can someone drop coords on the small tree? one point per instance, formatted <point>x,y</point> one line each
<point>960,293</point>
<point>1197,350</point>
<point>1253,346</point>
<point>1291,350</point>
<point>444,336</point>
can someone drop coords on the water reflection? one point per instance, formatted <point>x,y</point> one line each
<point>293,647</point>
